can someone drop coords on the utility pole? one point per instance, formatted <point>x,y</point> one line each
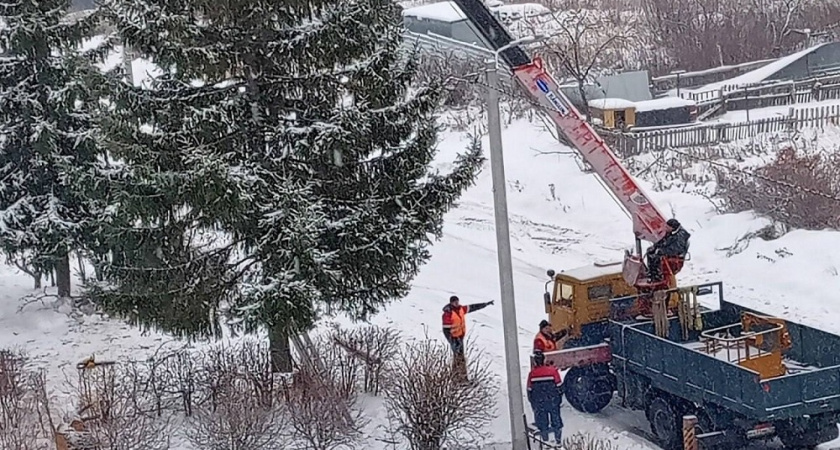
<point>514,376</point>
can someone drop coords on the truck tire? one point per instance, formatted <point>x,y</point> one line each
<point>665,423</point>
<point>589,389</point>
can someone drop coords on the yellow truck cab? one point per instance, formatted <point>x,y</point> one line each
<point>582,296</point>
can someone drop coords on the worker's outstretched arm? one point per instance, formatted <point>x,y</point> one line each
<point>476,306</point>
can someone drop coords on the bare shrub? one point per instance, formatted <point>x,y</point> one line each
<point>249,358</point>
<point>585,442</point>
<point>372,346</point>
<point>428,403</point>
<point>117,411</point>
<point>321,416</point>
<point>239,421</point>
<point>174,380</point>
<point>20,423</point>
<point>785,190</point>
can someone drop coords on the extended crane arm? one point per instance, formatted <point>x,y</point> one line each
<point>648,221</point>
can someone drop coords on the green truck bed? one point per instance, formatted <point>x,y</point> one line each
<point>811,387</point>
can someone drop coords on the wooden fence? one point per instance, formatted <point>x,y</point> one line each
<point>636,142</point>
<point>739,98</point>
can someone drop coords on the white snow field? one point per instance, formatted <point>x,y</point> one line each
<point>795,277</point>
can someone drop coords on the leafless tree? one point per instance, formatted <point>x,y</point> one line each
<point>700,34</point>
<point>430,404</point>
<point>240,421</point>
<point>455,70</point>
<point>584,43</point>
<point>321,416</point>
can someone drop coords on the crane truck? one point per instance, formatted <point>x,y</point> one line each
<point>743,374</point>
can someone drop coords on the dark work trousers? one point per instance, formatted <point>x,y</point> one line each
<point>548,420</point>
<point>654,267</point>
<point>459,360</point>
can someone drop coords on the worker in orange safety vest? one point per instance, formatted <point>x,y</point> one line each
<point>455,329</point>
<point>548,341</point>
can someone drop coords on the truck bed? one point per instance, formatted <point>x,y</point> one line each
<point>724,355</point>
<point>812,385</point>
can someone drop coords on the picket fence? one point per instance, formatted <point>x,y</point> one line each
<point>638,141</point>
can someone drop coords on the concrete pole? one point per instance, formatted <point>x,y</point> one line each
<point>514,376</point>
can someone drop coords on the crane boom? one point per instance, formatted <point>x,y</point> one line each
<point>648,222</point>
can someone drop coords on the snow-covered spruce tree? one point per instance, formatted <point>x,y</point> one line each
<point>303,148</point>
<point>47,144</point>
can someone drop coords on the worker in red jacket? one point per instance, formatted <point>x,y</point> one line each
<point>545,393</point>
<point>455,329</point>
<point>548,341</point>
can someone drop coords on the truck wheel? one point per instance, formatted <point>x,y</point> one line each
<point>665,424</point>
<point>588,389</point>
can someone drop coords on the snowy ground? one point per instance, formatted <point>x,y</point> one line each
<point>582,225</point>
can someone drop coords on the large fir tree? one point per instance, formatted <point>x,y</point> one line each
<point>47,143</point>
<point>302,153</point>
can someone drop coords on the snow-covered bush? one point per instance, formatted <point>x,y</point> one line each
<point>428,403</point>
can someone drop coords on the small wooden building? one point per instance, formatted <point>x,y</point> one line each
<point>620,114</point>
<point>613,113</point>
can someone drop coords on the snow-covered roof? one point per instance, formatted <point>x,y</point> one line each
<point>592,271</point>
<point>442,11</point>
<point>611,103</point>
<point>760,74</point>
<point>521,9</point>
<point>658,104</point>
